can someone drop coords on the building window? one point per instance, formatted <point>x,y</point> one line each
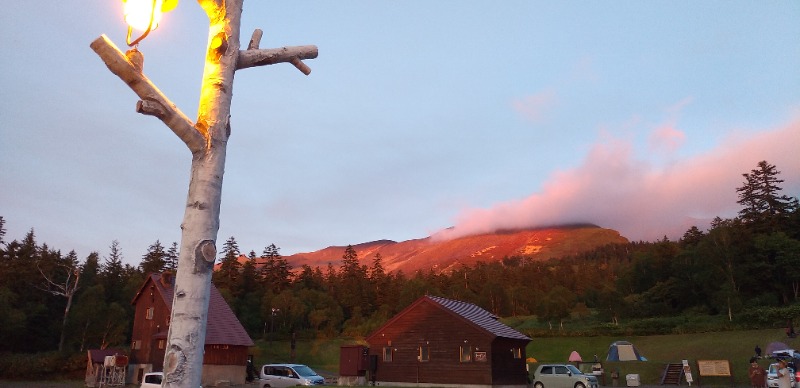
<point>516,352</point>
<point>387,354</point>
<point>136,345</point>
<point>161,343</point>
<point>466,353</point>
<point>424,353</point>
<point>149,314</point>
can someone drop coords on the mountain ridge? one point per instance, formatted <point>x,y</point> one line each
<point>428,253</point>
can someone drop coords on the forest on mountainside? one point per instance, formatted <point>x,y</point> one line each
<point>745,268</point>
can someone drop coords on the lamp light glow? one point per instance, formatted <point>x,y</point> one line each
<point>143,15</point>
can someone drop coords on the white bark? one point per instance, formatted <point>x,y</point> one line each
<point>207,140</point>
<point>67,289</point>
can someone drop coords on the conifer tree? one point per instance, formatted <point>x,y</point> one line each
<point>154,260</point>
<point>763,206</point>
<point>228,274</point>
<point>111,273</point>
<point>171,259</point>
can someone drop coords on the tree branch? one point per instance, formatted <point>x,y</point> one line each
<point>151,97</point>
<point>68,288</point>
<point>255,40</point>
<point>262,57</point>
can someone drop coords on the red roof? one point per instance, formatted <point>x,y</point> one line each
<point>223,327</point>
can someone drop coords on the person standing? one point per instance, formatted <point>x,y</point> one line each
<point>784,376</point>
<point>758,376</point>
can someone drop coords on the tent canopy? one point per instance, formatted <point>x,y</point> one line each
<point>623,351</point>
<point>774,347</point>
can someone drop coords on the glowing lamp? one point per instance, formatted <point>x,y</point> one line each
<point>144,15</point>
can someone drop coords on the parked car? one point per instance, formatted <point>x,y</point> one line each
<point>288,375</point>
<point>153,380</point>
<point>772,376</point>
<point>562,376</point>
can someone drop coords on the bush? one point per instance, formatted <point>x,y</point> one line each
<point>41,365</point>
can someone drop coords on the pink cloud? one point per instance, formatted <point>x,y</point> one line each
<point>614,189</point>
<point>667,138</point>
<point>532,107</point>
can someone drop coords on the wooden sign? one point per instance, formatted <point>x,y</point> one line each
<point>714,367</point>
<point>480,356</point>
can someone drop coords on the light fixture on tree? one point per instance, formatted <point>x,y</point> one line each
<point>207,139</point>
<point>144,15</point>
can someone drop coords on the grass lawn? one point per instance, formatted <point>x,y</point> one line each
<point>734,346</point>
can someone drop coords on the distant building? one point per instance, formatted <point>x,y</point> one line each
<point>226,344</point>
<point>448,343</point>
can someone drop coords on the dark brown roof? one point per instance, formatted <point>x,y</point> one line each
<point>98,356</point>
<point>478,316</point>
<point>223,327</point>
<point>468,312</point>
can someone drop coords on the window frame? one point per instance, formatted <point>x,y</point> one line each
<point>465,353</point>
<point>424,353</point>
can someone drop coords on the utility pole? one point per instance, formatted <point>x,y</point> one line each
<point>207,140</point>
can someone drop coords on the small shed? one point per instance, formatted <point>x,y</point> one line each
<point>105,368</point>
<point>446,342</point>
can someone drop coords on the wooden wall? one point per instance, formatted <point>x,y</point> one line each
<point>444,334</point>
<point>144,329</point>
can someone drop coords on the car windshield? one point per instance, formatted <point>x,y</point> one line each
<point>304,371</point>
<point>574,370</point>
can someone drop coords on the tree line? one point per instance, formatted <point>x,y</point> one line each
<point>49,300</point>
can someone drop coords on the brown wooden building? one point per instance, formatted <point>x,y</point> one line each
<point>448,343</point>
<point>226,344</point>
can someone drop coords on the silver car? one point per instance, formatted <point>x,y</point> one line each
<point>772,376</point>
<point>562,376</point>
<point>288,375</point>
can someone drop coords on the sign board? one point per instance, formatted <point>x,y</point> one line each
<point>480,356</point>
<point>714,367</point>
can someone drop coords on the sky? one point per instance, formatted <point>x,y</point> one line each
<point>418,116</point>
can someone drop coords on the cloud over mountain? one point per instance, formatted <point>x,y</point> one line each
<point>616,188</point>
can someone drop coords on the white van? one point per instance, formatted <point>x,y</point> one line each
<point>288,375</point>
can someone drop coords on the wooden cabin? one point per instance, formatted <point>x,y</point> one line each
<point>448,343</point>
<point>226,344</point>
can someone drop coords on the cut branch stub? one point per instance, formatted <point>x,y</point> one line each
<point>255,41</point>
<point>262,57</point>
<point>204,256</point>
<point>151,108</point>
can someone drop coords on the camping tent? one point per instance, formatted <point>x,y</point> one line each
<point>776,347</point>
<point>623,351</point>
<point>575,356</point>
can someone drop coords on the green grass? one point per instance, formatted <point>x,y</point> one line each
<point>734,346</point>
<point>320,354</point>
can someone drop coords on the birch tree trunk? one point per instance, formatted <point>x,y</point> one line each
<point>183,362</point>
<point>207,140</point>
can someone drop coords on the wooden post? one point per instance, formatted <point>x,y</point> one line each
<point>207,140</point>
